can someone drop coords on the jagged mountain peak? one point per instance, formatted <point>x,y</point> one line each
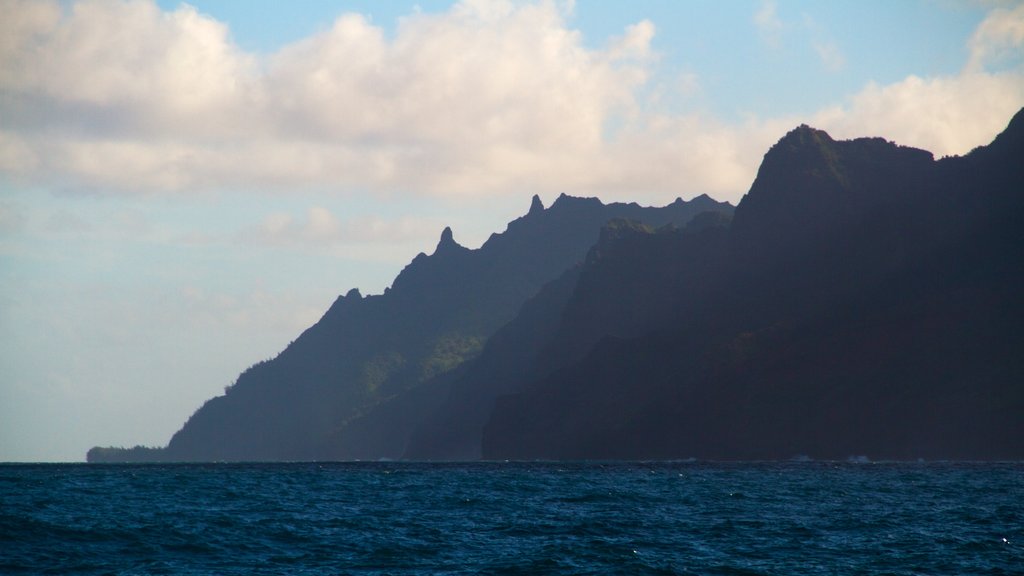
<point>343,304</point>
<point>447,242</point>
<point>810,185</point>
<point>809,158</point>
<point>536,206</point>
<point>804,135</point>
<point>805,145</point>
<point>330,392</point>
<point>802,151</point>
<point>865,301</point>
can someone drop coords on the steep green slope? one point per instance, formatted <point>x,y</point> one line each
<point>633,278</point>
<point>366,352</point>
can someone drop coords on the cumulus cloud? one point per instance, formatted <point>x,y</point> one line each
<point>485,98</point>
<point>635,43</point>
<point>123,69</point>
<point>121,95</point>
<point>946,115</point>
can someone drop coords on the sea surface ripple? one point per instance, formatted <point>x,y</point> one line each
<point>513,518</point>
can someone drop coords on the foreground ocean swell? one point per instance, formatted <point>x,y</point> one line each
<point>494,518</point>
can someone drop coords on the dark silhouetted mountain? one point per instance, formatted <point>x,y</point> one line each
<point>634,278</point>
<point>452,430</point>
<point>866,300</point>
<point>356,384</point>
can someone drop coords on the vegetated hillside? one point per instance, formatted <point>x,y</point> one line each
<point>869,304</point>
<point>635,278</point>
<point>399,348</point>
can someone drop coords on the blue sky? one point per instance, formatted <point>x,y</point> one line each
<point>185,187</point>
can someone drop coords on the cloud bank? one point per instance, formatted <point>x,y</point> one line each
<point>488,97</point>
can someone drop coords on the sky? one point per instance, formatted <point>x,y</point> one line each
<point>185,187</point>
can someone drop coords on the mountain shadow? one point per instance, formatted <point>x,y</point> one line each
<point>398,352</point>
<point>634,278</point>
<point>866,302</point>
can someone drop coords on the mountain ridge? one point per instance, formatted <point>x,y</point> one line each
<point>862,300</point>
<point>870,307</point>
<point>366,350</point>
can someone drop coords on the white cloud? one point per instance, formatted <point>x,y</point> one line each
<point>945,115</point>
<point>635,43</point>
<point>126,66</point>
<point>997,39</point>
<point>24,20</point>
<point>121,95</point>
<point>486,98</point>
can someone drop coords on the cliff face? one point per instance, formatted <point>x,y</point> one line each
<point>633,279</point>
<point>863,300</point>
<point>395,353</point>
<point>868,304</point>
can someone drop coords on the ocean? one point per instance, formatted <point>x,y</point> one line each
<point>513,518</point>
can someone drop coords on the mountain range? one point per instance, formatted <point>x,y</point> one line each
<point>368,356</point>
<point>863,299</point>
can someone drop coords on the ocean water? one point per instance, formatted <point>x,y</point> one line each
<point>495,518</point>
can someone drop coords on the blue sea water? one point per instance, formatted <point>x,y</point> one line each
<point>508,518</point>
